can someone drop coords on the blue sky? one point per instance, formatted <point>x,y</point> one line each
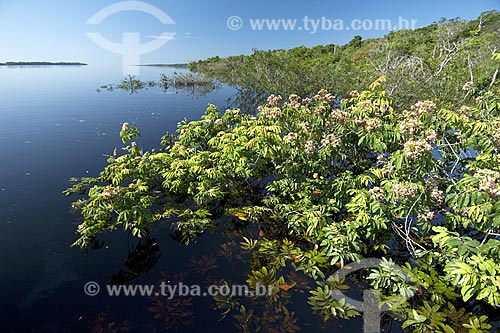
<point>55,30</point>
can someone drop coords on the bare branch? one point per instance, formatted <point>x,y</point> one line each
<point>494,78</point>
<point>470,69</point>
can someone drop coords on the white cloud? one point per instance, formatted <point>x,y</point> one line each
<point>162,37</point>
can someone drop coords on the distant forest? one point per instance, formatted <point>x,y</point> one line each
<point>41,63</point>
<point>434,62</point>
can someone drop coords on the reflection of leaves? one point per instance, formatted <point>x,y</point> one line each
<point>104,323</point>
<point>173,314</point>
<point>275,318</point>
<point>300,280</point>
<point>204,264</point>
<point>245,322</point>
<point>224,304</point>
<point>230,251</point>
<point>247,99</point>
<point>141,260</point>
<point>288,323</point>
<point>97,244</point>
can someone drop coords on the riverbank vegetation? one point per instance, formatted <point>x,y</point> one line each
<point>166,65</point>
<point>430,63</point>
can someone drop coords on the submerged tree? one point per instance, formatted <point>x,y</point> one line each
<point>326,186</point>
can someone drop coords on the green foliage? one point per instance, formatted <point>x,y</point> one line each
<point>326,186</point>
<point>429,318</point>
<point>435,63</point>
<point>321,301</point>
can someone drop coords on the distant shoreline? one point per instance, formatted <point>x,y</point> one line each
<point>41,63</point>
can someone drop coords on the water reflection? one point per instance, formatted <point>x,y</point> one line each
<point>247,99</point>
<point>196,85</point>
<point>140,260</point>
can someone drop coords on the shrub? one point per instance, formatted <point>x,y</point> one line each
<point>328,186</point>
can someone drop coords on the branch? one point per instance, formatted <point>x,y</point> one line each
<point>457,157</point>
<point>494,78</point>
<point>470,70</point>
<point>410,243</point>
<point>488,234</point>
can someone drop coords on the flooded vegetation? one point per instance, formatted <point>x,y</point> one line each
<point>303,186</point>
<point>194,83</point>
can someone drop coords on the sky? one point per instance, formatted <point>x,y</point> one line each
<point>56,30</point>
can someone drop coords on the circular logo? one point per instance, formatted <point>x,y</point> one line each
<point>91,288</point>
<point>131,49</point>
<point>235,23</point>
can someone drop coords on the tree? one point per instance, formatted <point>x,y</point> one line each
<point>327,186</point>
<point>431,63</point>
